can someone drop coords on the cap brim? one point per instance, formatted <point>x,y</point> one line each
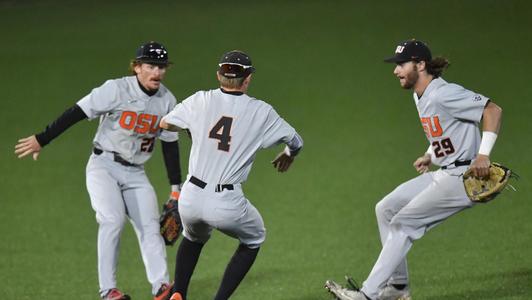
<point>154,62</point>
<point>396,59</point>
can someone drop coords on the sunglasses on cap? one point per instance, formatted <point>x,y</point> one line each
<point>233,70</point>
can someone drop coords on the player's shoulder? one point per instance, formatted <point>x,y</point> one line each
<point>444,91</point>
<point>121,81</point>
<point>116,84</point>
<point>260,103</point>
<point>445,88</point>
<point>164,92</point>
<point>207,95</point>
<point>200,95</point>
<point>109,86</point>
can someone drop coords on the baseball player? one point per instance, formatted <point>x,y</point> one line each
<point>129,109</point>
<point>450,116</point>
<point>227,127</point>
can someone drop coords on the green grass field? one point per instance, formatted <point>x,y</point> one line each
<point>319,63</point>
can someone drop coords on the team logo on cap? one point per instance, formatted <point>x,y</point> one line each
<point>158,51</point>
<point>399,49</point>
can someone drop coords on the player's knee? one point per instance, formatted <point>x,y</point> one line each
<point>383,210</point>
<point>149,229</point>
<point>111,220</point>
<point>202,238</point>
<point>410,227</point>
<point>255,240</point>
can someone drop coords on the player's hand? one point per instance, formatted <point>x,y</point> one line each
<point>423,163</point>
<point>28,146</point>
<point>481,166</point>
<point>282,162</point>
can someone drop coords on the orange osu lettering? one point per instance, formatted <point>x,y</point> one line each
<point>431,126</point>
<point>141,123</point>
<point>154,124</point>
<point>128,119</point>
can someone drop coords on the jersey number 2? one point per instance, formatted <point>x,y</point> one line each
<point>222,132</point>
<point>147,145</point>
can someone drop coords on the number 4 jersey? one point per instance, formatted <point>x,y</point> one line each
<point>129,118</point>
<point>450,115</point>
<point>227,130</point>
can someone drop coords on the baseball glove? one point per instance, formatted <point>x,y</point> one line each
<point>486,189</point>
<point>170,222</point>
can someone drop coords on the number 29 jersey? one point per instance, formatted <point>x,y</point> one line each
<point>450,115</point>
<point>129,118</point>
<point>227,130</point>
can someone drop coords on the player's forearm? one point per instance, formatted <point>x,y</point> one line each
<point>70,117</point>
<point>295,145</point>
<point>491,118</point>
<point>172,162</point>
<point>491,123</point>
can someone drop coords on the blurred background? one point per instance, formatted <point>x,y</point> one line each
<point>320,64</point>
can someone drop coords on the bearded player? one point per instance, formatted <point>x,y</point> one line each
<point>450,116</point>
<point>130,109</point>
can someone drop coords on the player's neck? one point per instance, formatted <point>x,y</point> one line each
<point>242,89</point>
<point>145,90</point>
<point>422,83</point>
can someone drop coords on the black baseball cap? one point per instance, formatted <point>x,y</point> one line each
<point>152,53</point>
<point>235,64</point>
<point>410,50</point>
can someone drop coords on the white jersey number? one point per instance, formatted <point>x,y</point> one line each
<point>222,132</point>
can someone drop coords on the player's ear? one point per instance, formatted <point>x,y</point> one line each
<point>248,79</point>
<point>136,67</point>
<point>421,66</point>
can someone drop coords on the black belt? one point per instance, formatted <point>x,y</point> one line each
<point>116,158</point>
<point>219,187</point>
<point>457,164</point>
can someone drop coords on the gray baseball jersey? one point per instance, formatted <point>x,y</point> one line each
<point>450,115</point>
<point>129,124</point>
<point>227,131</point>
<point>130,119</point>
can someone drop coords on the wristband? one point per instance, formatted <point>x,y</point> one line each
<point>287,151</point>
<point>176,189</point>
<point>487,142</point>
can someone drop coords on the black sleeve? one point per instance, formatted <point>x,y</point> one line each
<point>70,117</point>
<point>171,160</point>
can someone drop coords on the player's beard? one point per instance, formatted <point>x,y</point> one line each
<point>411,79</point>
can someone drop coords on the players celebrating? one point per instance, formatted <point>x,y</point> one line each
<point>129,109</point>
<point>227,127</point>
<point>450,115</point>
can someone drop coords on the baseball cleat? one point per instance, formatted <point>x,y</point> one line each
<point>176,296</point>
<point>389,292</point>
<point>342,293</point>
<point>115,294</point>
<point>164,292</point>
<point>352,283</point>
